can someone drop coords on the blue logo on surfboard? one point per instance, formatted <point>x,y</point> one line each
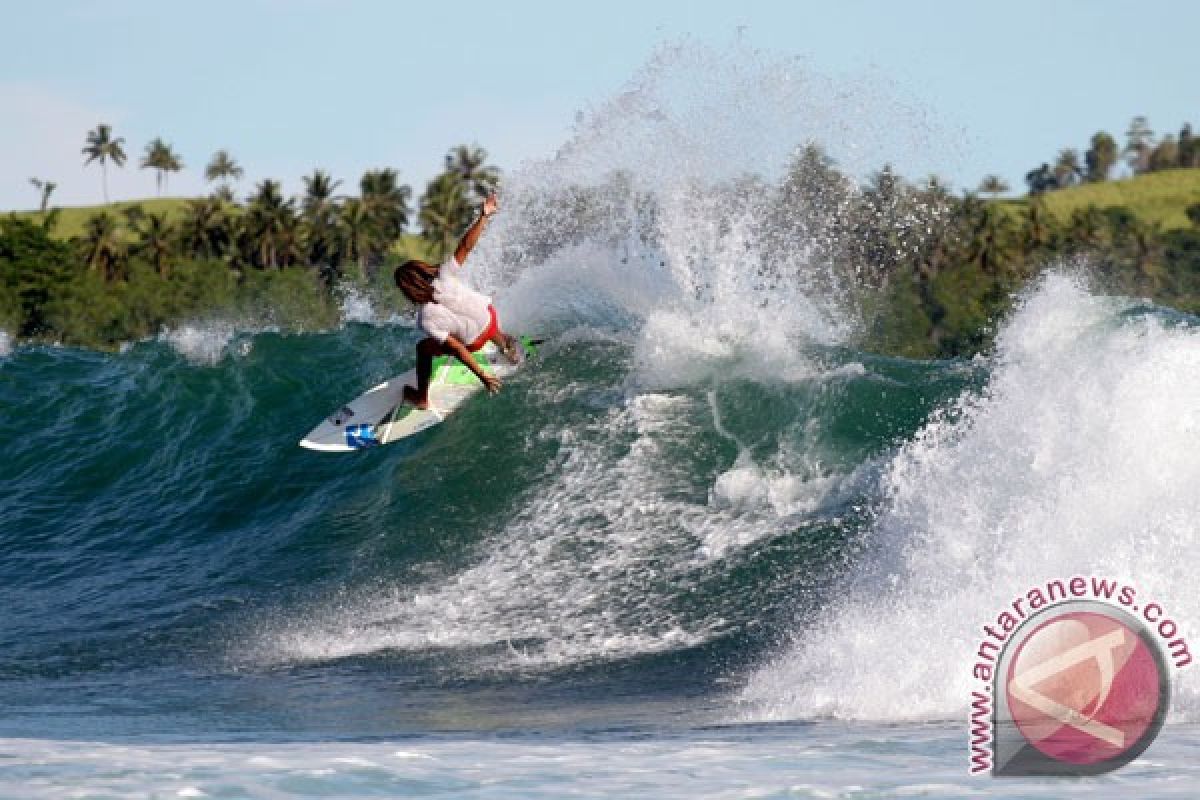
<point>361,436</point>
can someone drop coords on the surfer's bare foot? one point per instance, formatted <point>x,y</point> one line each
<point>412,398</point>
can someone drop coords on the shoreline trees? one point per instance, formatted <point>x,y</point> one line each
<point>1141,154</point>
<point>319,228</point>
<point>948,263</point>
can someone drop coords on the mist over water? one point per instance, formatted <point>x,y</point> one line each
<point>661,268</point>
<point>208,343</point>
<point>681,166</point>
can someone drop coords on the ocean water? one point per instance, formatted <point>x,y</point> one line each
<point>704,546</point>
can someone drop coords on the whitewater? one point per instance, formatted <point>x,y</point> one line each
<point>706,546</point>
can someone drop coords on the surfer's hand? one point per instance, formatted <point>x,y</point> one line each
<point>490,382</point>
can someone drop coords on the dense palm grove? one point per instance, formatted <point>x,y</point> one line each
<point>933,270</point>
<point>270,257</point>
<point>269,231</point>
<point>927,270</point>
<point>942,291</point>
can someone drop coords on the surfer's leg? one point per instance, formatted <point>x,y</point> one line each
<point>427,348</point>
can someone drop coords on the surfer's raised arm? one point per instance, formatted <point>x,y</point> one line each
<point>490,206</point>
<point>453,314</point>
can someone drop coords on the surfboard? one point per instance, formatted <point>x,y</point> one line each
<point>380,416</point>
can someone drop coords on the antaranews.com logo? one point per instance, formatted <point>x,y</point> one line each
<point>1074,680</point>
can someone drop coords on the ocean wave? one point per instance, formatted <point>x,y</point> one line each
<point>530,588</point>
<point>1078,457</point>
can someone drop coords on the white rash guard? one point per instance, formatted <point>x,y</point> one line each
<point>456,308</point>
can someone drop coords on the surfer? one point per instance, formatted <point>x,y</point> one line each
<point>457,319</point>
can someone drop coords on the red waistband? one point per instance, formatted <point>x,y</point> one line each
<point>488,332</point>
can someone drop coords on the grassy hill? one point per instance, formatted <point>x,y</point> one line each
<point>1161,197</point>
<point>70,220</point>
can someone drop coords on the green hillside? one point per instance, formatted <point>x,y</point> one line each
<point>71,220</point>
<point>1155,197</point>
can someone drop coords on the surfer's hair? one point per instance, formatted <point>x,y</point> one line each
<point>415,279</point>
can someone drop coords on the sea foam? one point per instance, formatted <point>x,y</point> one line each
<point>1078,458</point>
<point>667,255</point>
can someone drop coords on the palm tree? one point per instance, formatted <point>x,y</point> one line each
<point>1041,179</point>
<point>1139,141</point>
<point>102,245</point>
<point>878,227</point>
<point>318,192</point>
<point>222,168</point>
<point>205,231</point>
<point>320,218</point>
<point>1186,146</point>
<point>1164,155</point>
<point>354,232</point>
<point>134,214</point>
<point>162,159</point>
<point>1100,157</point>
<point>100,146</point>
<point>386,200</point>
<point>156,239</point>
<point>1067,168</point>
<point>469,164</point>
<point>993,185</point>
<point>1038,227</point>
<point>444,211</point>
<point>46,188</point>
<point>991,240</point>
<point>271,225</point>
<point>937,189</point>
<point>291,240</point>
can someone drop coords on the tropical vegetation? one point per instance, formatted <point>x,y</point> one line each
<point>102,276</point>
<point>927,269</point>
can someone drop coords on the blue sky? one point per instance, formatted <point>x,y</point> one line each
<point>289,85</point>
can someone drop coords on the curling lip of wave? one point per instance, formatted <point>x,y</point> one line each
<point>1078,457</point>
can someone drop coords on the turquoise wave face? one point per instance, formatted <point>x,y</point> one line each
<point>651,525</point>
<point>171,559</point>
